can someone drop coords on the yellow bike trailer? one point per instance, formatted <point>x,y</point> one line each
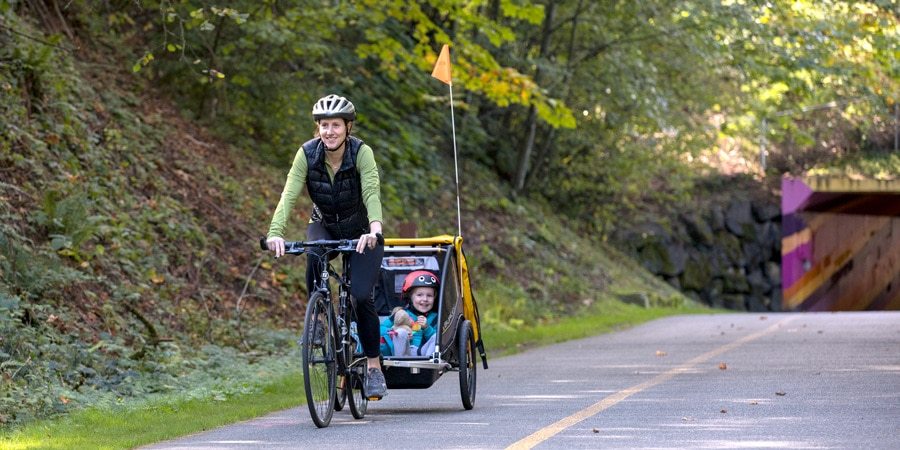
<point>459,328</point>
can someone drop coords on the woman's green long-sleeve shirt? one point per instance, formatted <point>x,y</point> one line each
<point>296,181</point>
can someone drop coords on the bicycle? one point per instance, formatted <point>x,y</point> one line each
<point>332,374</point>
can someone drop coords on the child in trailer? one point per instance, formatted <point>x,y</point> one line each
<point>411,330</point>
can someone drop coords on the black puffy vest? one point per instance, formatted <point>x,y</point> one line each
<point>337,205</point>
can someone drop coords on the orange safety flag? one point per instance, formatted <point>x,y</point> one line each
<point>442,66</point>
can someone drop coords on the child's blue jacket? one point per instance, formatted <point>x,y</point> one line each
<point>418,336</point>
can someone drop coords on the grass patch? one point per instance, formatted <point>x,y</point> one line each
<point>152,421</point>
<point>601,318</point>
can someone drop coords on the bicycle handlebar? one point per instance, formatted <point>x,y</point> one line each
<point>299,247</point>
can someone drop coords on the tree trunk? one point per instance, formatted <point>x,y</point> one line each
<point>525,155</point>
<point>547,150</point>
<point>531,123</point>
<point>209,98</point>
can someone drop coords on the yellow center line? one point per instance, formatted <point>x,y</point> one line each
<point>553,429</point>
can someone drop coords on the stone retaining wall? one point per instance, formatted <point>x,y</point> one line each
<point>727,254</point>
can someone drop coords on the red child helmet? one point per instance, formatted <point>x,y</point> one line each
<point>420,278</point>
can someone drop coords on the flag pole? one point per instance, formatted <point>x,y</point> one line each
<point>455,164</point>
<point>442,72</point>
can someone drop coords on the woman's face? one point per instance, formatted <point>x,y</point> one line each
<point>333,133</point>
<point>422,299</point>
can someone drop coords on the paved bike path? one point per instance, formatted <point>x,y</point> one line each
<point>788,381</point>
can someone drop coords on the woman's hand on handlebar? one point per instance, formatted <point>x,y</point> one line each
<point>366,241</point>
<point>276,244</point>
<point>370,239</point>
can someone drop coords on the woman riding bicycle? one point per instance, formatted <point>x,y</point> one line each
<point>341,176</point>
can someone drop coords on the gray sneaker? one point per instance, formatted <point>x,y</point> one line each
<point>376,388</point>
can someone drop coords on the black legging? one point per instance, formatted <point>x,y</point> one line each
<point>364,269</point>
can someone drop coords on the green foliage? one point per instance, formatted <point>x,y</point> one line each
<point>664,86</point>
<point>68,223</point>
<point>25,274</point>
<point>819,72</point>
<point>653,85</point>
<point>213,56</point>
<point>878,165</point>
<point>29,349</point>
<point>237,389</point>
<point>108,237</point>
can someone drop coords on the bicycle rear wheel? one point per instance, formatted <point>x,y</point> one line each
<point>319,363</point>
<point>357,400</point>
<point>341,395</point>
<point>356,370</point>
<point>344,359</point>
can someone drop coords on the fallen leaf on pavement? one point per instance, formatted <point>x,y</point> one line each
<point>780,393</point>
<point>595,430</point>
<point>660,353</point>
<point>723,411</point>
<point>722,366</point>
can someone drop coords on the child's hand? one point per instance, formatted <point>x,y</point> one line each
<point>421,320</point>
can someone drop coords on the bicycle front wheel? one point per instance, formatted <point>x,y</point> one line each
<point>319,362</point>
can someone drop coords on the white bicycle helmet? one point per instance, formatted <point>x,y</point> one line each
<point>333,106</point>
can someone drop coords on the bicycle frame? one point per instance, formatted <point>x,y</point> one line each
<point>347,364</point>
<point>326,272</point>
